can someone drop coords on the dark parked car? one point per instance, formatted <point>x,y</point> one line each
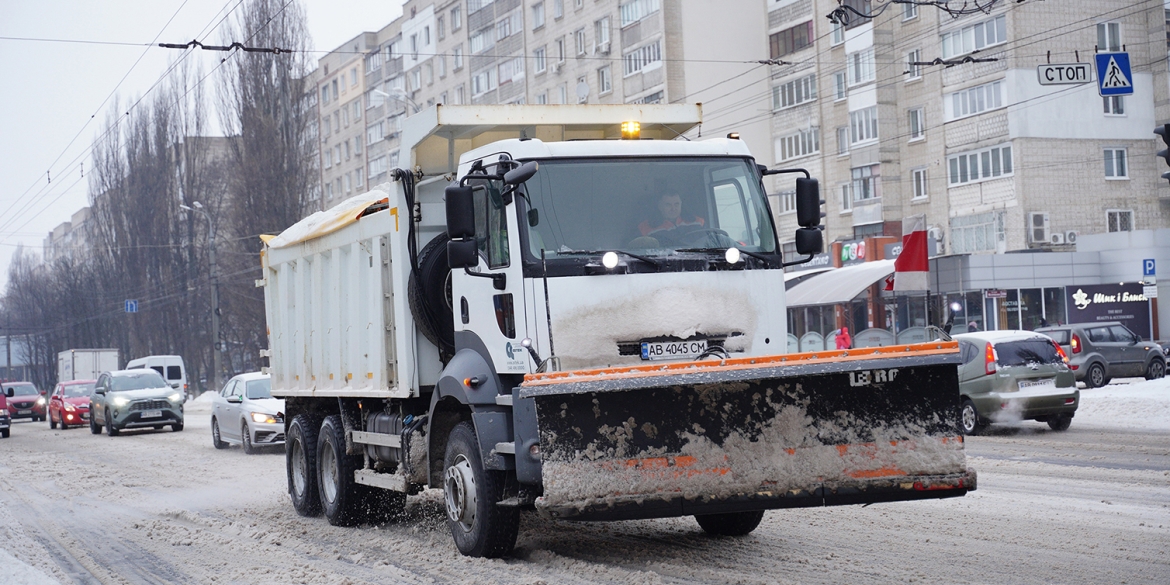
<point>1014,375</point>
<point>1099,352</point>
<point>24,401</point>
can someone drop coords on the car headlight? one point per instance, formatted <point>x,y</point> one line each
<point>121,401</point>
<point>70,407</point>
<point>41,401</point>
<point>176,397</point>
<point>262,417</point>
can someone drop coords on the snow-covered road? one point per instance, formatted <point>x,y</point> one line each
<point>1090,505</point>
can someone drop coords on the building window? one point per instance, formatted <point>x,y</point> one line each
<point>505,26</point>
<point>653,98</point>
<point>583,97</point>
<point>512,70</point>
<point>373,62</point>
<point>328,125</point>
<point>459,97</point>
<point>787,201</point>
<point>348,185</point>
<point>357,110</point>
<point>1119,220</point>
<point>456,18</point>
<point>865,183</point>
<point>791,40</point>
<point>579,38</point>
<point>328,158</point>
<point>796,145</point>
<point>846,198</point>
<point>859,7</point>
<point>860,67</point>
<point>842,140</point>
<point>325,94</point>
<point>560,50</point>
<point>975,37</point>
<point>538,60</point>
<point>482,40</point>
<point>442,66</point>
<point>918,178</point>
<point>972,167</point>
<point>558,9</point>
<point>346,149</point>
<point>863,125</point>
<point>838,34</point>
<point>329,190</point>
<point>840,90</point>
<point>377,167</point>
<point>358,180</point>
<point>601,31</point>
<point>794,92</point>
<point>913,70</point>
<point>909,11</point>
<point>980,232</point>
<point>975,100</point>
<point>1115,164</point>
<point>357,147</point>
<point>443,98</point>
<point>542,98</point>
<point>484,82</point>
<point>440,28</point>
<point>416,79</point>
<point>537,15</point>
<point>638,9</point>
<point>642,58</point>
<point>1114,105</point>
<point>917,119</point>
<point>1108,36</point>
<point>457,57</point>
<point>353,77</point>
<point>604,80</point>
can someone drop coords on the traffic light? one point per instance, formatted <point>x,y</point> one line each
<point>1164,154</point>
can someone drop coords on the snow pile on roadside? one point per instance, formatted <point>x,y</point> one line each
<point>1144,405</point>
<point>13,571</point>
<point>205,397</point>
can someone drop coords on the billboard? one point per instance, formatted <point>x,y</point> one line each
<point>1110,302</point>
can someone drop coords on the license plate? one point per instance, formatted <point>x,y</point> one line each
<point>26,411</point>
<point>151,413</point>
<point>1042,383</point>
<point>672,350</point>
<point>85,416</point>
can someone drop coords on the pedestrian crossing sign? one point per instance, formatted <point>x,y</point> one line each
<point>1114,76</point>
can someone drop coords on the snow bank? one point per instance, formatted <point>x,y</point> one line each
<point>13,571</point>
<point>1144,405</point>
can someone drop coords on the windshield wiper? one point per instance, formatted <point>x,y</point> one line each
<point>645,259</point>
<point>764,259</point>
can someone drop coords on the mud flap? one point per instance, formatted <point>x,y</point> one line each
<point>853,426</point>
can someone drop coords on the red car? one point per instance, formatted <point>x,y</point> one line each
<point>24,401</point>
<point>69,404</point>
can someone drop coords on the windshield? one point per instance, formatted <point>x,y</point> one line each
<point>259,389</point>
<point>78,390</point>
<point>653,206</point>
<point>1028,351</point>
<point>23,389</point>
<point>138,380</point>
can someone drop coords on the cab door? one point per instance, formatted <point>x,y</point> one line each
<point>489,307</point>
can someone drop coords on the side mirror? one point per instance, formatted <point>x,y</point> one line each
<point>460,212</point>
<point>808,203</point>
<point>9,392</point>
<point>809,241</point>
<point>99,390</point>
<point>235,399</point>
<point>521,173</point>
<point>533,217</point>
<point>462,254</point>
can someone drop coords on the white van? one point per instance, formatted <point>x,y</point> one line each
<point>169,366</point>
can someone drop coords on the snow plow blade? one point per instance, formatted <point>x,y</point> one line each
<point>814,429</point>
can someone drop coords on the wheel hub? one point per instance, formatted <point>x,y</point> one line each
<point>298,455</point>
<point>329,474</point>
<point>968,418</point>
<point>460,493</point>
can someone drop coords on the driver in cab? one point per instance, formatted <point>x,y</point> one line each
<point>673,223</point>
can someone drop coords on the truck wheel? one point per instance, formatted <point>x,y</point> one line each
<point>1156,370</point>
<point>111,430</point>
<point>480,527</point>
<point>301,464</point>
<point>1095,377</point>
<point>1060,422</point>
<point>216,440</point>
<point>731,524</point>
<point>345,501</point>
<point>969,420</point>
<point>429,295</point>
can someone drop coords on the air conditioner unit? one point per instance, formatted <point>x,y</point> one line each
<point>936,233</point>
<point>557,67</point>
<point>604,48</point>
<point>1038,228</point>
<point>1070,237</point>
<point>1056,238</point>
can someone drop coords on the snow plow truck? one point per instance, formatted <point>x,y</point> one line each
<point>568,310</point>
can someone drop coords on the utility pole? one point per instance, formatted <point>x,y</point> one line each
<point>216,344</point>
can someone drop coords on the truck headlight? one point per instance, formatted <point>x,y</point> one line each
<point>120,401</point>
<point>261,417</point>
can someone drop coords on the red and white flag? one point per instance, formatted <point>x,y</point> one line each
<point>912,267</point>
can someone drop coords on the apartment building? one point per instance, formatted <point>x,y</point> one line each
<point>341,87</point>
<point>996,161</point>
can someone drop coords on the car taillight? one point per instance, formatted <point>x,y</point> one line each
<point>1060,352</point>
<point>989,359</point>
<point>1076,344</point>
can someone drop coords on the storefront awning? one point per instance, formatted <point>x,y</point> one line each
<point>840,285</point>
<point>802,273</point>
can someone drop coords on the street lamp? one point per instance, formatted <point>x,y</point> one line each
<point>400,96</point>
<point>214,276</point>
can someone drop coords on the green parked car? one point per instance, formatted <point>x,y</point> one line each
<point>1008,376</point>
<point>128,399</point>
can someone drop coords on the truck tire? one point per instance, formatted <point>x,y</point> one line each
<point>731,524</point>
<point>301,464</point>
<point>480,527</point>
<point>344,501</point>
<point>970,423</point>
<point>429,295</point>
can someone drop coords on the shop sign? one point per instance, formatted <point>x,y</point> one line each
<point>822,260</point>
<point>1125,303</point>
<point>993,293</point>
<point>852,252</point>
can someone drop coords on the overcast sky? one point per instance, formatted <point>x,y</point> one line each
<point>54,88</point>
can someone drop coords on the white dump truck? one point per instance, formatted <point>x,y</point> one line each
<point>572,311</point>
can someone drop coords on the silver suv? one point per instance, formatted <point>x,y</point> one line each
<point>1098,352</point>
